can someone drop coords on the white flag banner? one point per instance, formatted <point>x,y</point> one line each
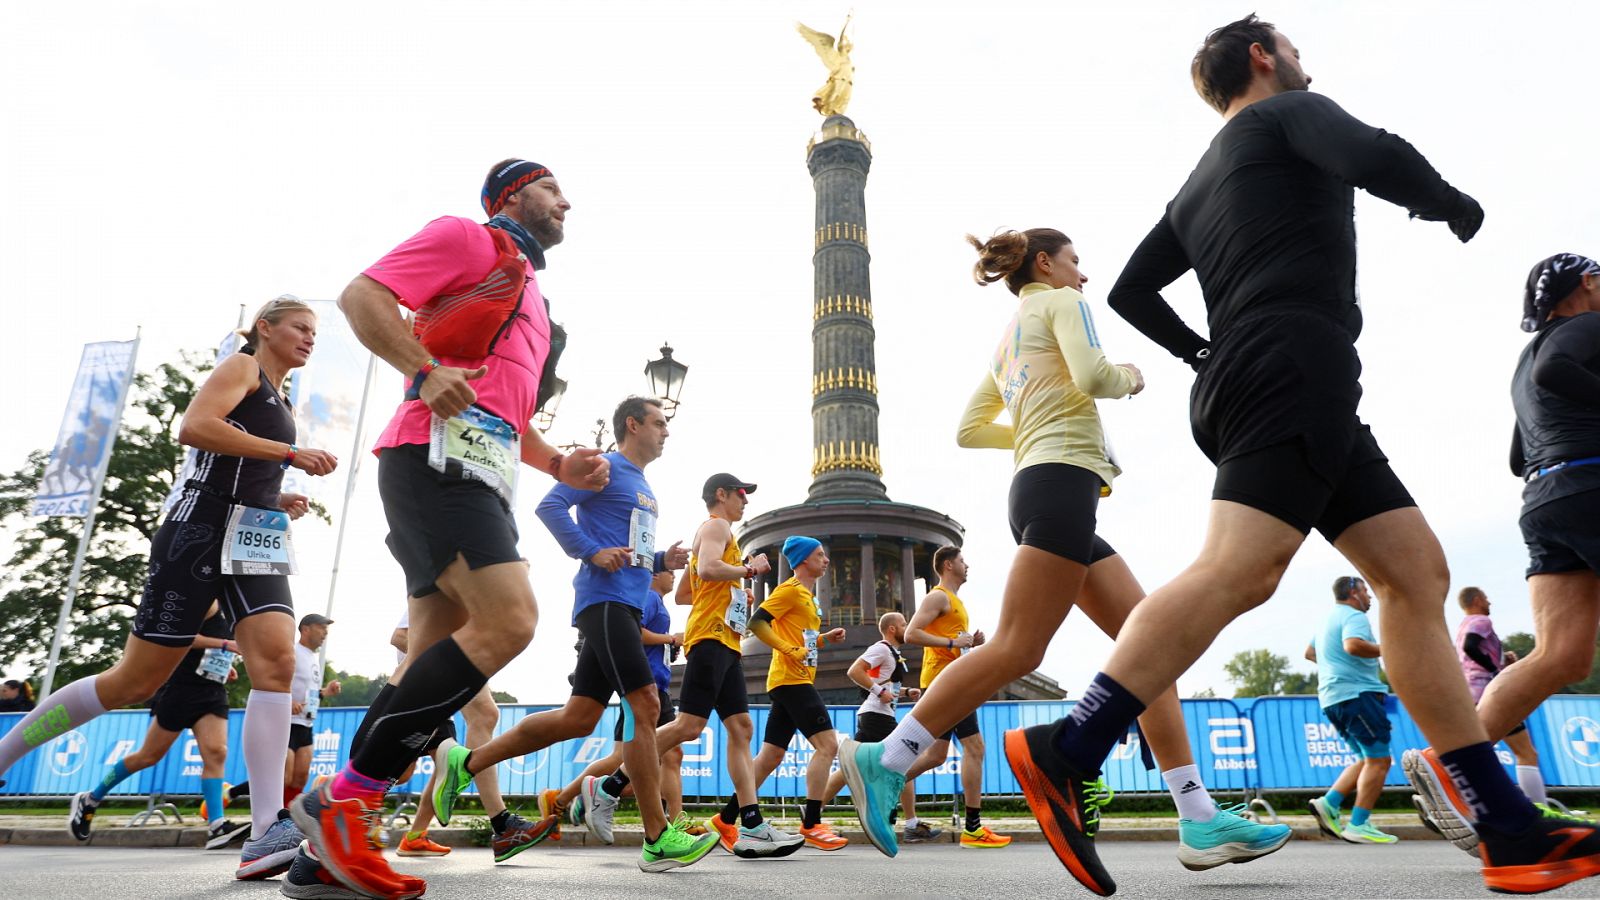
<point>88,430</point>
<point>326,395</point>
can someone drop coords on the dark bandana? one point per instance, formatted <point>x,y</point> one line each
<point>1551,280</point>
<point>507,180</point>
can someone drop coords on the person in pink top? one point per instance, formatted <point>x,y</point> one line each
<point>1482,658</point>
<point>448,464</point>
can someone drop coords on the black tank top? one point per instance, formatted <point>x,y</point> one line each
<point>264,414</point>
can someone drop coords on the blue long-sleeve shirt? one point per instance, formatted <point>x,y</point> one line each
<point>605,518</point>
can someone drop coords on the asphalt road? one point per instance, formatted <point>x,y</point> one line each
<point>1310,869</point>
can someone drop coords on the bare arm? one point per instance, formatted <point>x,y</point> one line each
<point>1362,648</point>
<point>709,545</point>
<point>652,639</point>
<point>683,595</point>
<point>1311,652</point>
<point>934,605</point>
<point>374,316</point>
<point>205,425</point>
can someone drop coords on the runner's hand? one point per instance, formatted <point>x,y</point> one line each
<point>798,654</point>
<point>612,559</point>
<point>978,638</point>
<point>1468,220</point>
<point>676,557</point>
<point>1138,378</point>
<point>296,505</point>
<point>446,391</point>
<point>835,636</point>
<point>332,689</point>
<point>677,638</point>
<point>296,709</point>
<point>315,462</point>
<point>963,640</point>
<point>584,469</point>
<point>913,693</point>
<point>760,564</point>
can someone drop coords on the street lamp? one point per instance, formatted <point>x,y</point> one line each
<point>546,416</point>
<point>666,380</point>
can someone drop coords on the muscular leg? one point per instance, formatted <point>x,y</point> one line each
<point>740,730</point>
<point>211,734</point>
<point>576,719</point>
<point>482,716</point>
<point>764,764</point>
<point>157,741</point>
<point>972,770</point>
<point>672,781</point>
<point>645,702</point>
<point>1370,784</point>
<point>1566,615</point>
<point>267,643</point>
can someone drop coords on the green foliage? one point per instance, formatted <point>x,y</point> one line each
<point>1205,694</point>
<point>1522,643</point>
<point>1261,673</point>
<point>502,697</point>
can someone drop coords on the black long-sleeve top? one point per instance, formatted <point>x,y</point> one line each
<point>1556,394</point>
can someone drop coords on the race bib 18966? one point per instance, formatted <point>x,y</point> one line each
<point>477,444</point>
<point>258,543</point>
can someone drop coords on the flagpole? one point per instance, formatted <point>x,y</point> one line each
<point>356,457</point>
<point>88,528</point>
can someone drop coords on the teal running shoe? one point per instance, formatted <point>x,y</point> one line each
<point>1228,838</point>
<point>453,779</point>
<point>1328,817</point>
<point>874,790</point>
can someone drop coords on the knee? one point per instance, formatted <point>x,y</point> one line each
<point>673,758</point>
<point>1018,651</point>
<point>825,748</point>
<point>1573,664</point>
<point>740,729</point>
<point>274,674</point>
<point>481,716</point>
<point>646,707</point>
<point>1420,586</point>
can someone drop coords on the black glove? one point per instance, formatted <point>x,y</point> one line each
<point>1467,220</point>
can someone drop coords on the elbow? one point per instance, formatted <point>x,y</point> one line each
<point>187,432</point>
<point>967,436</point>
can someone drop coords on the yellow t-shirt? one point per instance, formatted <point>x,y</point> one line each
<point>797,622</point>
<point>1046,373</point>
<point>708,616</point>
<point>951,623</point>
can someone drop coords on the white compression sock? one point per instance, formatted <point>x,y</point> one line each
<point>903,745</point>
<point>266,739</point>
<point>59,713</point>
<point>1189,792</point>
<point>1531,780</point>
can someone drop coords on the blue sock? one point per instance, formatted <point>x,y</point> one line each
<point>1097,722</point>
<point>1359,816</point>
<point>211,790</point>
<point>1494,797</point>
<point>114,777</point>
<point>1334,799</point>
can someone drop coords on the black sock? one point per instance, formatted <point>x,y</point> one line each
<point>974,817</point>
<point>439,683</point>
<point>812,814</point>
<point>750,816</point>
<point>614,783</point>
<point>1097,722</point>
<point>730,811</point>
<point>242,789</point>
<point>1482,782</point>
<point>500,821</point>
<point>374,712</point>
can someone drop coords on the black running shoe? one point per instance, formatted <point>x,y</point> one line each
<point>1556,850</point>
<point>81,820</point>
<point>1067,803</point>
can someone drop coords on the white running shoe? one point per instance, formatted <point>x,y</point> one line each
<point>764,841</point>
<point>598,808</point>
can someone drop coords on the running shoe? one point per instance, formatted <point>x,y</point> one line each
<point>308,880</point>
<point>727,832</point>
<point>874,790</point>
<point>1327,817</point>
<point>598,808</point>
<point>82,817</point>
<point>673,849</point>
<point>821,836</point>
<point>1227,838</point>
<point>205,815</point>
<point>983,838</point>
<point>921,833</point>
<point>452,779</point>
<point>1366,833</point>
<point>765,842</point>
<point>520,834</point>
<point>1440,802</point>
<point>223,833</point>
<point>339,832</point>
<point>1422,813</point>
<point>272,853</point>
<point>1066,802</point>
<point>550,805</point>
<point>1554,851</point>
<point>420,845</point>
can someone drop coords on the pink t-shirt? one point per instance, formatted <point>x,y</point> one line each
<point>450,255</point>
<point>1477,676</point>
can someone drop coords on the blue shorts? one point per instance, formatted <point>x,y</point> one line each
<point>1363,724</point>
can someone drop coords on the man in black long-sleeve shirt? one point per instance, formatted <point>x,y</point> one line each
<point>1266,221</point>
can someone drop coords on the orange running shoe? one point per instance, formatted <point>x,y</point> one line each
<point>1066,803</point>
<point>550,805</point>
<point>420,846</point>
<point>727,832</point>
<point>984,838</point>
<point>340,840</point>
<point>1441,802</point>
<point>1556,850</point>
<point>821,836</point>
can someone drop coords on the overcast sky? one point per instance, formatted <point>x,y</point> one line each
<point>163,163</point>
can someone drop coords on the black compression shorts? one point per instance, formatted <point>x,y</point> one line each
<point>612,660</point>
<point>666,715</point>
<point>965,728</point>
<point>178,706</point>
<point>445,732</point>
<point>795,707</point>
<point>1052,508</point>
<point>434,517</point>
<point>1563,535</point>
<point>873,727</point>
<point>300,736</point>
<point>713,679</point>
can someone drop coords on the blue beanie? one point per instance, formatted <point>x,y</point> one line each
<point>796,547</point>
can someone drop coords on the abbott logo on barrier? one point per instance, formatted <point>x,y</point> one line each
<point>1232,736</point>
<point>193,765</point>
<point>1581,738</point>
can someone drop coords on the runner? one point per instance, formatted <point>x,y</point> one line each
<point>789,622</point>
<point>1047,372</point>
<point>228,515</point>
<point>447,467</point>
<point>1482,658</point>
<point>1555,449</point>
<point>614,536</point>
<point>1352,694</point>
<point>193,698</point>
<point>305,697</point>
<point>1266,220</point>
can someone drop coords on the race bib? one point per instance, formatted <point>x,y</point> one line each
<point>215,664</point>
<point>738,617</point>
<point>258,543</point>
<point>642,538</point>
<point>810,635</point>
<point>477,444</point>
<point>313,703</point>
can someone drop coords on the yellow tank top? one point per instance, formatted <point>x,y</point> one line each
<point>952,623</point>
<point>708,615</point>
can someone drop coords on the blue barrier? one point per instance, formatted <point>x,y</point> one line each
<point>1263,744</point>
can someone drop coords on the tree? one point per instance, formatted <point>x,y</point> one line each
<point>1522,643</point>
<point>1259,673</point>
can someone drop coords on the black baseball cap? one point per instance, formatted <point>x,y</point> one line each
<point>314,619</point>
<point>725,481</point>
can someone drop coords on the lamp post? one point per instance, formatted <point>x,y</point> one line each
<point>666,380</point>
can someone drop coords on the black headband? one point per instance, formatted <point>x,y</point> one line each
<point>1550,281</point>
<point>507,180</point>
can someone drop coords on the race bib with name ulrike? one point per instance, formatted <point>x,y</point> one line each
<point>258,543</point>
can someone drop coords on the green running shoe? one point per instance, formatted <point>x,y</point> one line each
<point>1227,838</point>
<point>453,779</point>
<point>1366,833</point>
<point>675,849</point>
<point>874,790</point>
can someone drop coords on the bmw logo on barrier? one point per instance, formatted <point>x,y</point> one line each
<point>533,762</point>
<point>68,753</point>
<point>1581,737</point>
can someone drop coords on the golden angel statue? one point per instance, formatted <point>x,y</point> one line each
<point>834,95</point>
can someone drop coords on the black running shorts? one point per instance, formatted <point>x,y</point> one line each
<point>1052,508</point>
<point>795,707</point>
<point>713,680</point>
<point>873,727</point>
<point>179,706</point>
<point>1563,535</point>
<point>185,576</point>
<point>612,660</point>
<point>1275,408</point>
<point>965,728</point>
<point>299,736</point>
<point>434,517</point>
<point>666,715</point>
